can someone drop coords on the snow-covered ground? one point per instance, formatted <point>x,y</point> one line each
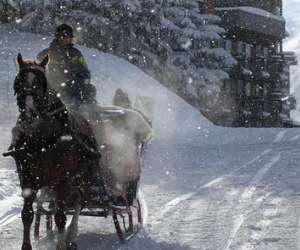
<point>204,187</point>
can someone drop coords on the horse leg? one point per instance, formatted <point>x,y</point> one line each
<point>60,220</point>
<point>72,230</point>
<point>27,217</point>
<point>37,222</point>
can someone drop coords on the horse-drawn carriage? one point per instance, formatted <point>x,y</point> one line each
<point>126,215</point>
<point>83,163</point>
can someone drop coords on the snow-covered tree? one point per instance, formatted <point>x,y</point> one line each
<point>169,39</point>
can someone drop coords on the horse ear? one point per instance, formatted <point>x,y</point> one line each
<point>20,60</point>
<point>44,61</point>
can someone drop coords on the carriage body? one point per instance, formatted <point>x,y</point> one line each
<point>127,217</point>
<point>57,153</point>
<point>120,135</point>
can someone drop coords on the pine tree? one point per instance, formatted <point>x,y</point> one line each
<point>168,39</point>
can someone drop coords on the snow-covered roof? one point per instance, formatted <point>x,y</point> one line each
<point>254,20</point>
<point>256,11</point>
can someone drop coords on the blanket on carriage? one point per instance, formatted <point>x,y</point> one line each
<point>120,134</point>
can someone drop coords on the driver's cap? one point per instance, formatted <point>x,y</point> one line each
<point>64,30</point>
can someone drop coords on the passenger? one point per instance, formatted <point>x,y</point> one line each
<point>121,99</point>
<point>89,93</point>
<point>67,71</point>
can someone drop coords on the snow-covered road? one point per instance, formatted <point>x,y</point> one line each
<point>205,187</point>
<point>237,198</point>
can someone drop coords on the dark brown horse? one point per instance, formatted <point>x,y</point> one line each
<point>53,147</point>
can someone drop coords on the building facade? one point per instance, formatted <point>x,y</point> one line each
<point>258,91</point>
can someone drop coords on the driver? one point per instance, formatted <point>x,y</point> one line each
<point>67,71</point>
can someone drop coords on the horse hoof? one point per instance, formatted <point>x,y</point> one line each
<point>71,246</point>
<point>26,246</point>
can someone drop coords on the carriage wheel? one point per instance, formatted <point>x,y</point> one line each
<point>127,220</point>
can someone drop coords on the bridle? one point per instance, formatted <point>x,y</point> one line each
<point>29,68</point>
<point>23,89</point>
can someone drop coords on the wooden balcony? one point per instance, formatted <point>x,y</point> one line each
<point>272,6</point>
<point>249,20</point>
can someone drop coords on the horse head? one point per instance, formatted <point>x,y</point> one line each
<point>30,84</point>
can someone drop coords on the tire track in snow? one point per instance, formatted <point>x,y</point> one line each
<point>279,136</point>
<point>246,199</point>
<point>250,191</point>
<point>295,138</point>
<point>144,207</point>
<point>209,219</point>
<point>8,215</point>
<point>174,202</point>
<point>202,216</point>
<point>298,231</point>
<point>259,230</point>
<point>10,200</point>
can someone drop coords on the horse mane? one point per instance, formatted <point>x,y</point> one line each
<point>29,62</point>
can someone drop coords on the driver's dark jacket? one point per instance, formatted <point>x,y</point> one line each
<point>67,71</point>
